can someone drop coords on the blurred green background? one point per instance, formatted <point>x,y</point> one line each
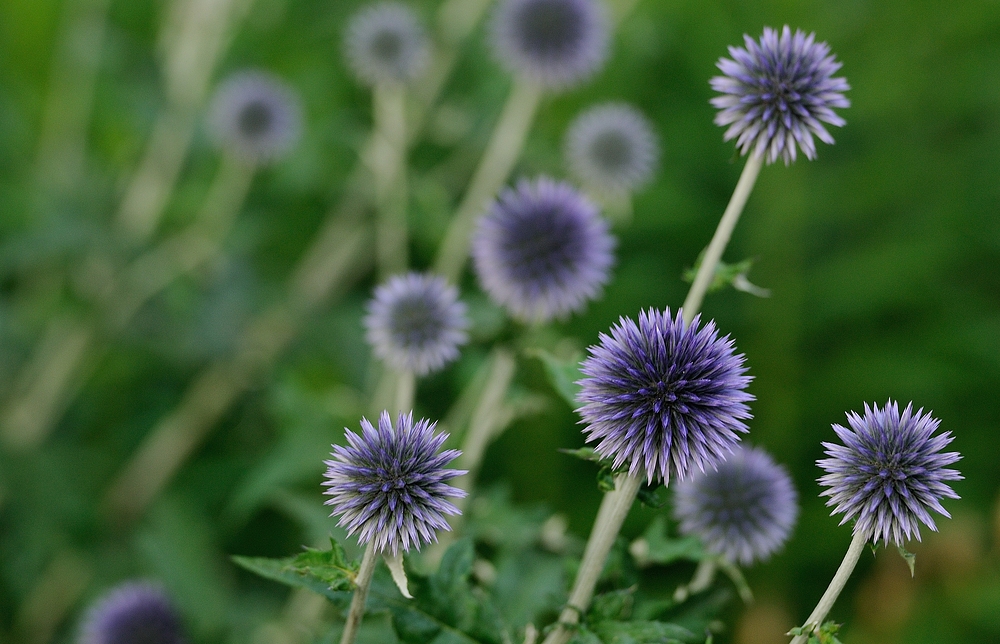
<point>881,256</point>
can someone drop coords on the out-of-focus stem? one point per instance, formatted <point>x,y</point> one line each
<point>706,272</point>
<point>614,508</point>
<point>815,619</point>
<point>193,39</point>
<point>406,386</point>
<point>54,593</point>
<point>70,100</point>
<point>44,385</point>
<point>482,426</point>
<point>494,168</point>
<point>344,246</point>
<point>58,367</point>
<point>388,163</point>
<point>363,582</point>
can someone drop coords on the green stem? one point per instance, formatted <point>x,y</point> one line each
<point>388,161</point>
<point>837,584</point>
<point>614,508</point>
<point>498,160</point>
<point>706,272</point>
<point>363,582</point>
<point>406,386</point>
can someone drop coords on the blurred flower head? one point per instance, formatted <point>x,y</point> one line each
<point>743,510</point>
<point>133,613</point>
<point>416,323</point>
<point>255,114</point>
<point>386,43</point>
<point>542,250</point>
<point>388,484</point>
<point>663,397</point>
<point>777,93</point>
<point>556,43</point>
<point>889,472</point>
<point>612,147</point>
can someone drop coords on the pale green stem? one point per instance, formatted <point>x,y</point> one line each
<point>388,163</point>
<point>616,505</point>
<point>482,427</point>
<point>406,385</point>
<point>498,160</point>
<point>815,619</point>
<point>362,583</point>
<point>702,579</point>
<point>614,508</point>
<point>706,272</point>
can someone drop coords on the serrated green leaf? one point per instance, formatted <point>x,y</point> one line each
<point>606,479</point>
<point>584,454</point>
<point>612,606</point>
<point>562,374</point>
<point>651,497</point>
<point>446,608</point>
<point>910,558</point>
<point>326,572</point>
<point>734,275</point>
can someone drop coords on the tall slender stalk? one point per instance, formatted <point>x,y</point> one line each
<point>494,168</point>
<point>815,619</point>
<point>387,157</point>
<point>706,272</point>
<point>617,503</point>
<point>362,584</point>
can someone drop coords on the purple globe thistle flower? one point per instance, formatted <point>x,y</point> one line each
<point>388,484</point>
<point>542,250</point>
<point>386,43</point>
<point>663,396</point>
<point>776,92</point>
<point>416,323</point>
<point>556,43</point>
<point>889,472</point>
<point>133,613</point>
<point>612,147</point>
<point>744,510</point>
<point>255,114</point>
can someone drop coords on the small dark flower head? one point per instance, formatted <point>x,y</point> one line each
<point>255,114</point>
<point>556,43</point>
<point>542,250</point>
<point>133,613</point>
<point>663,396</point>
<point>612,147</point>
<point>889,472</point>
<point>416,323</point>
<point>386,43</point>
<point>775,94</point>
<point>744,510</point>
<point>388,484</point>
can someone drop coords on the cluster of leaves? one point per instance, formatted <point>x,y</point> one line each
<point>509,575</point>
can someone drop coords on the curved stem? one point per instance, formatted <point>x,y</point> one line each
<point>706,272</point>
<point>363,582</point>
<point>819,613</point>
<point>498,160</point>
<point>614,508</point>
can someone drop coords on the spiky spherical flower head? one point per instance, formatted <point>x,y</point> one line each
<point>889,472</point>
<point>555,43</point>
<point>612,147</point>
<point>777,93</point>
<point>256,115</point>
<point>133,613</point>
<point>416,323</point>
<point>664,397</point>
<point>743,510</point>
<point>386,43</point>
<point>388,484</point>
<point>542,250</point>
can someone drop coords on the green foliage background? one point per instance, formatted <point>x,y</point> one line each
<point>882,258</point>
